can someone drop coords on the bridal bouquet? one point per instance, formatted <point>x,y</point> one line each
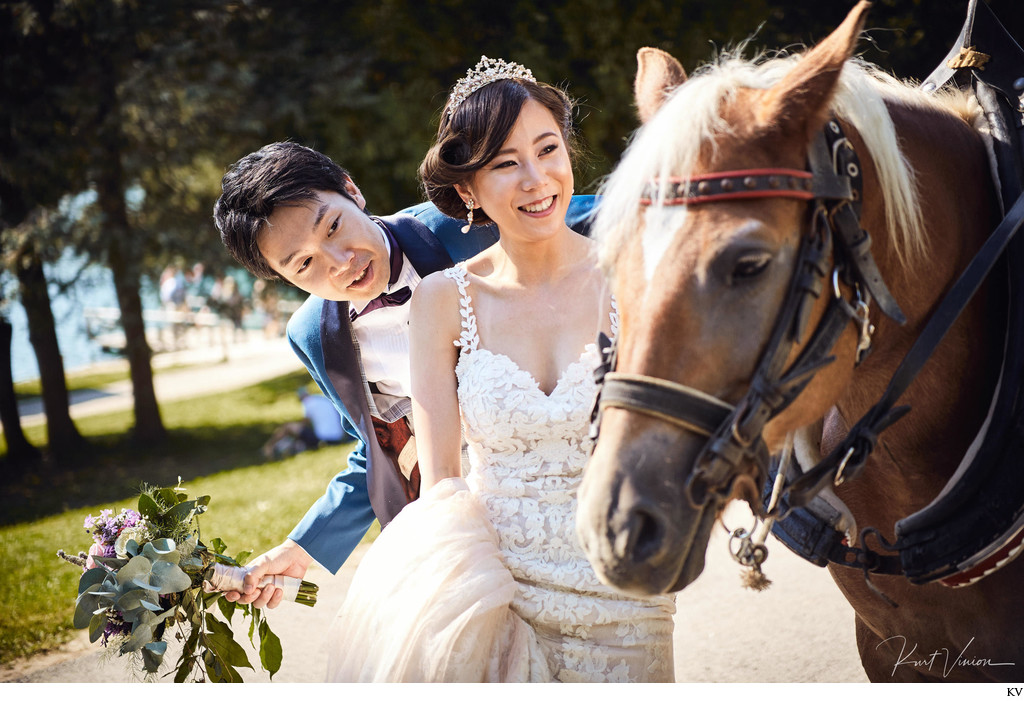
<point>148,576</point>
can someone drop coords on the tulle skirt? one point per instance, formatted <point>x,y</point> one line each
<point>431,602</point>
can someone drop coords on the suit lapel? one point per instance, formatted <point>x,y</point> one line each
<point>418,243</point>
<point>344,370</point>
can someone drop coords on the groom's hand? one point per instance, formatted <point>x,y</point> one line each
<point>287,558</point>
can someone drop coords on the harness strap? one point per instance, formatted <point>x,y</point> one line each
<point>735,432</point>
<point>773,387</point>
<point>851,454</point>
<point>731,185</point>
<point>671,402</point>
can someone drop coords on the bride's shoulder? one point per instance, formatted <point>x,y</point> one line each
<point>437,287</point>
<point>435,306</point>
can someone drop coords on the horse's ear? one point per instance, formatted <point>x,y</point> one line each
<point>802,97</point>
<point>657,72</point>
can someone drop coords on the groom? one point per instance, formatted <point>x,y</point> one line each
<point>290,213</point>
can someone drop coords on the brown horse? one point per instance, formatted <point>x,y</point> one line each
<point>700,276</point>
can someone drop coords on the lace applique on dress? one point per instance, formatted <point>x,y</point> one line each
<point>468,339</point>
<point>482,579</point>
<point>527,450</point>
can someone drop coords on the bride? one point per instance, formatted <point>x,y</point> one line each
<point>482,578</point>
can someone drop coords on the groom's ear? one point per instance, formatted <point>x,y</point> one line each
<point>352,190</point>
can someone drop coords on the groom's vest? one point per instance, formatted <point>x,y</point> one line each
<point>427,255</point>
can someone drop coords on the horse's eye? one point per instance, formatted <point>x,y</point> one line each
<point>751,265</point>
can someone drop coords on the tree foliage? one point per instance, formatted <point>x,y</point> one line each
<point>156,98</point>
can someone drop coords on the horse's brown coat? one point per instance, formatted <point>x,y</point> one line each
<point>689,325</point>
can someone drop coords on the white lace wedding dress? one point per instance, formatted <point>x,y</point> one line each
<point>482,579</point>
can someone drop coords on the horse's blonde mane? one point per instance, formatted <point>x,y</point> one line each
<point>669,144</point>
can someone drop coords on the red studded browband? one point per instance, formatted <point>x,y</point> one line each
<point>731,185</point>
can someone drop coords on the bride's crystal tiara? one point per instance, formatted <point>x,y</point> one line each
<point>486,72</point>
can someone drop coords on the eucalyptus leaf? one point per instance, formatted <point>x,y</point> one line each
<point>96,626</point>
<point>192,563</point>
<point>169,578</point>
<point>137,567</point>
<point>160,617</point>
<point>114,563</point>
<point>85,606</point>
<point>164,549</point>
<point>270,649</point>
<point>146,604</point>
<point>141,634</point>
<point>91,577</point>
<point>153,655</point>
<point>132,600</point>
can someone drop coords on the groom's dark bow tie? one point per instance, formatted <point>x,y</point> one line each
<point>391,299</point>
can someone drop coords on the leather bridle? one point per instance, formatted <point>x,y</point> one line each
<point>833,249</point>
<point>977,524</point>
<point>734,432</point>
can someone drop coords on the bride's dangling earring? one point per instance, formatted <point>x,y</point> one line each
<point>469,216</point>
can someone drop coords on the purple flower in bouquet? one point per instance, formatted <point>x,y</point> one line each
<point>98,550</point>
<point>106,527</point>
<point>116,626</point>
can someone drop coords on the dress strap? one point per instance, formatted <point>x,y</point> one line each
<point>468,340</point>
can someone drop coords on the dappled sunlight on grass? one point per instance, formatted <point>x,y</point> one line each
<point>213,446</point>
<point>205,435</point>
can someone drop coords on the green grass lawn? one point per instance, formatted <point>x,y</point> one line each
<point>213,446</point>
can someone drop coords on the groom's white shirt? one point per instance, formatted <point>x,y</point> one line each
<point>383,338</point>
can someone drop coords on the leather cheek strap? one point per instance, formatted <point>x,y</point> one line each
<point>662,399</point>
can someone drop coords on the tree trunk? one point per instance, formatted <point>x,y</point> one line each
<point>124,263</point>
<point>65,441</point>
<point>124,250</point>
<point>19,450</point>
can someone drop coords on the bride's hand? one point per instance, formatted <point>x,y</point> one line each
<point>288,559</point>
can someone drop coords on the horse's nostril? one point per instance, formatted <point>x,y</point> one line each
<point>647,534</point>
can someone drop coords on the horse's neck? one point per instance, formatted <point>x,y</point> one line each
<point>950,396</point>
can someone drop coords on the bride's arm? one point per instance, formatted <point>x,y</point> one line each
<point>434,325</point>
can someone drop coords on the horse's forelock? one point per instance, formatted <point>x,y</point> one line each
<point>670,143</point>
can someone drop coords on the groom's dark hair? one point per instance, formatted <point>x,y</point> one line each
<point>282,173</point>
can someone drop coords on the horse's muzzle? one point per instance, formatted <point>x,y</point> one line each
<point>635,522</point>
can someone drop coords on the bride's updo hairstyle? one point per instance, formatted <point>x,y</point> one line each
<point>471,136</point>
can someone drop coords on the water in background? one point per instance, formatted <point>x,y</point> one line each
<point>94,287</point>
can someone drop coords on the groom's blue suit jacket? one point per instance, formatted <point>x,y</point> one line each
<point>321,335</point>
